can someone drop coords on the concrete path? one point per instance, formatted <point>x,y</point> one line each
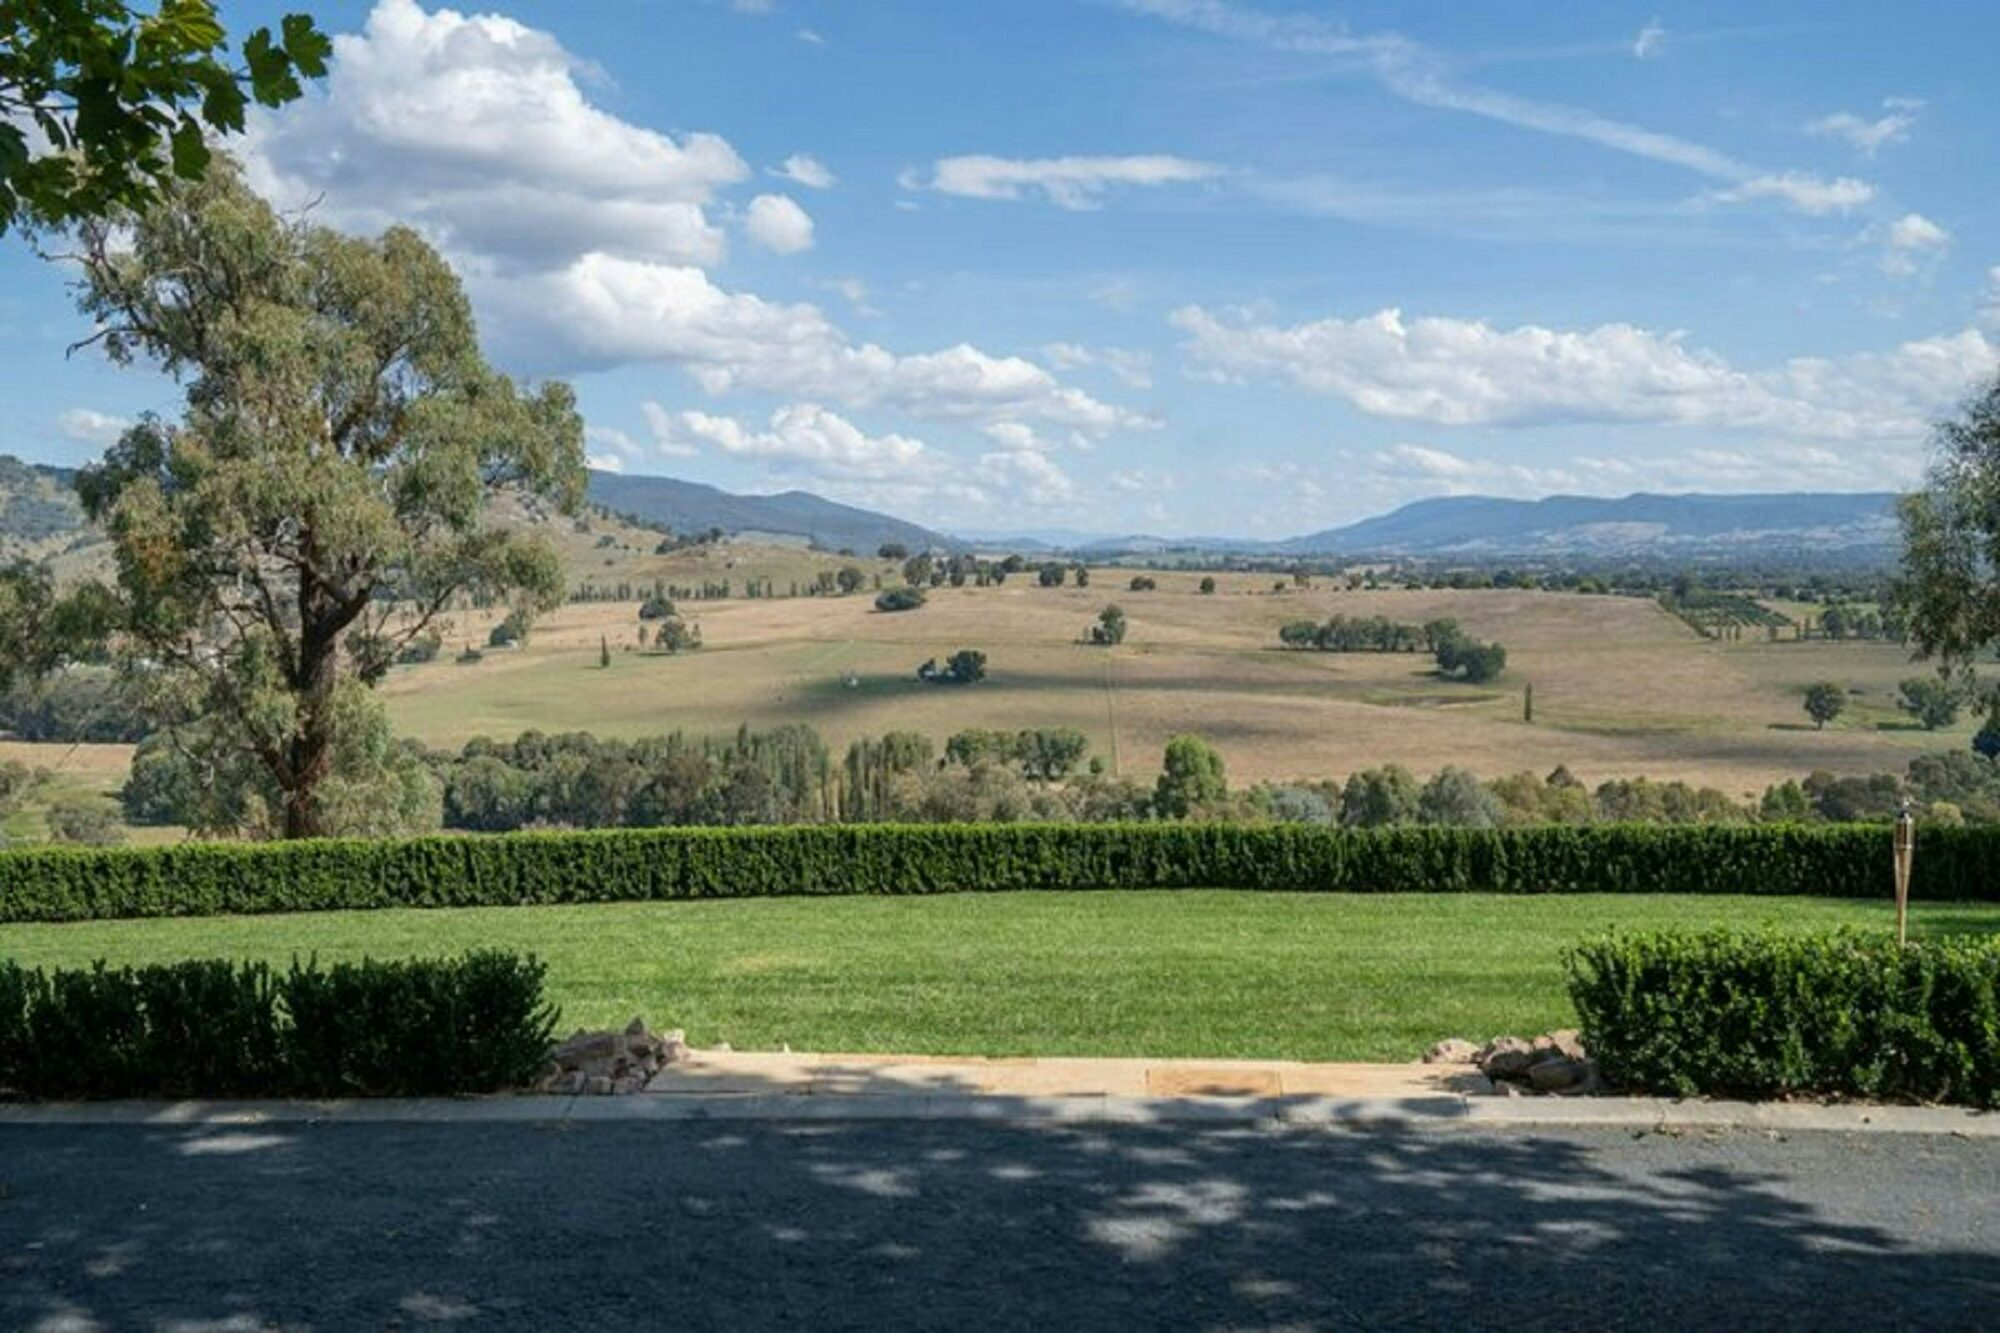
<point>860,1224</point>
<point>712,1073</point>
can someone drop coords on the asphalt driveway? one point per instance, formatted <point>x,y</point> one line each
<point>964,1225</point>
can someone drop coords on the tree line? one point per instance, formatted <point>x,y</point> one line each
<point>1458,654</point>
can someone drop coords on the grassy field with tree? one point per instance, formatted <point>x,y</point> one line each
<point>1622,687</point>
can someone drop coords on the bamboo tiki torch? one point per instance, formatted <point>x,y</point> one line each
<point>1906,850</point>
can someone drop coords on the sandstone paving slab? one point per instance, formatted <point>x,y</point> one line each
<point>1212,1081</point>
<point>1366,1080</point>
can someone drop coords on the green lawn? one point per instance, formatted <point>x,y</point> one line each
<point>1308,976</point>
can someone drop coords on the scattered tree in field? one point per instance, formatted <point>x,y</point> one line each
<point>964,667</point>
<point>656,607</point>
<point>1144,583</point>
<point>1470,660</point>
<point>1454,797</point>
<point>893,551</point>
<point>1208,584</point>
<point>918,570</point>
<point>1380,798</point>
<point>1051,574</point>
<point>850,579</point>
<point>1082,576</point>
<point>899,599</point>
<point>324,495</point>
<point>872,767</point>
<point>676,636</point>
<point>511,632</point>
<point>1932,701</point>
<point>603,652</point>
<point>1528,702</point>
<point>1824,702</point>
<point>1042,754</point>
<point>1192,777</point>
<point>103,104</point>
<point>1785,803</point>
<point>1048,754</point>
<point>1110,627</point>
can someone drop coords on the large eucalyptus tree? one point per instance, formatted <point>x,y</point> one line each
<point>325,493</point>
<point>1948,591</point>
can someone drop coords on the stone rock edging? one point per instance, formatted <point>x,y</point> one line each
<point>605,1063</point>
<point>1554,1063</point>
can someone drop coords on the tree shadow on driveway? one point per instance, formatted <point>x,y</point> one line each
<point>953,1224</point>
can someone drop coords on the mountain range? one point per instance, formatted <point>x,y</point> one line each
<point>39,516</point>
<point>691,506</point>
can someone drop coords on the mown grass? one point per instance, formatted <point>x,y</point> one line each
<point>1190,973</point>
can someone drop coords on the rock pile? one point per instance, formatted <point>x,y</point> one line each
<point>1554,1062</point>
<point>607,1063</point>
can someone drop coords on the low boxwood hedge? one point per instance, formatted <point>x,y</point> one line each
<point>625,865</point>
<point>210,1028</point>
<point>1725,1014</point>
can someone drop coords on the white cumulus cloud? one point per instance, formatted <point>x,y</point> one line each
<point>1467,372</point>
<point>806,434</point>
<point>1652,39</point>
<point>583,238</point>
<point>476,130</point>
<point>804,169</point>
<point>778,224</point>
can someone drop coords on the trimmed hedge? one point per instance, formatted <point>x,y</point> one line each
<point>626,865</point>
<point>422,1027</point>
<point>1722,1014</point>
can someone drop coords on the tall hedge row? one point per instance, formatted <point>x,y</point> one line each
<point>215,1028</point>
<point>627,865</point>
<point>1724,1014</point>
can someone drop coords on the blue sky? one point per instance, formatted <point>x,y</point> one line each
<point>1179,266</point>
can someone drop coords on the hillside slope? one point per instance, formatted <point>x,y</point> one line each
<point>690,507</point>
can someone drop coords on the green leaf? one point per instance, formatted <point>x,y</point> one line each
<point>191,153</point>
<point>13,150</point>
<point>185,25</point>
<point>271,81</point>
<point>308,47</point>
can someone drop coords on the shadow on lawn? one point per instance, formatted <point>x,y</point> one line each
<point>624,1223</point>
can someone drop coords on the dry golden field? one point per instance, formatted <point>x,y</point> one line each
<point>1621,688</point>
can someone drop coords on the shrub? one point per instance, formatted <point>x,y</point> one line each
<point>509,633</point>
<point>899,599</point>
<point>1110,627</point>
<point>86,820</point>
<point>420,1027</point>
<point>1774,1015</point>
<point>225,1029</point>
<point>1191,777</point>
<point>967,666</point>
<point>619,865</point>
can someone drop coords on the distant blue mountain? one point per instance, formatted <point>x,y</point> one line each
<point>690,506</point>
<point>1578,524</point>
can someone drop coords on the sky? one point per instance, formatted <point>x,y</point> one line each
<point>1167,266</point>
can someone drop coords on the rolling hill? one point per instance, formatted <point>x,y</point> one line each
<point>689,507</point>
<point>40,515</point>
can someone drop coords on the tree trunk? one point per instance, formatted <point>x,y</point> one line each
<point>310,751</point>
